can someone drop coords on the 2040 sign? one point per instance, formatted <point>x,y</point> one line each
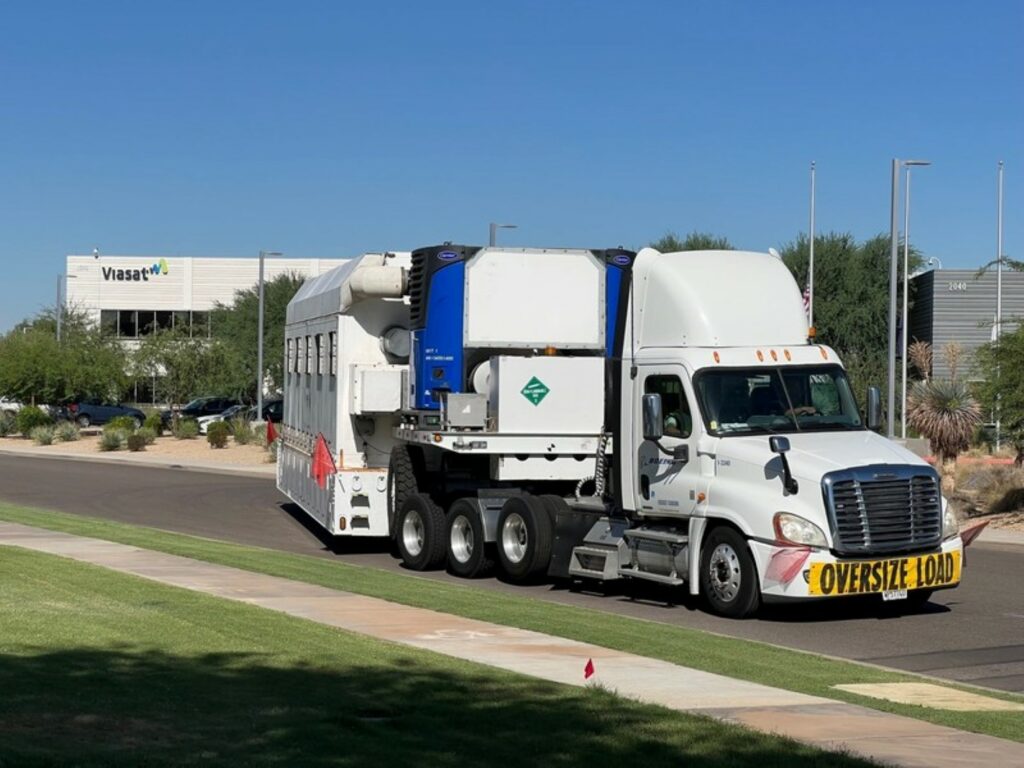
<point>867,577</point>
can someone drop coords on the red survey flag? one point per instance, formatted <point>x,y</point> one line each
<point>589,669</point>
<point>271,433</point>
<point>323,463</point>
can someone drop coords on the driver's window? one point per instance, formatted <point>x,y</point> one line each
<point>675,408</point>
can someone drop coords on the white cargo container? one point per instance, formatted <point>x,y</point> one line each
<point>604,415</point>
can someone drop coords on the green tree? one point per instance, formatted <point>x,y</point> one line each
<point>851,298</point>
<point>178,362</point>
<point>1002,366</point>
<point>34,368</point>
<point>236,328</point>
<point>695,241</point>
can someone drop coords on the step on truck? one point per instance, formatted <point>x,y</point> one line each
<point>601,414</point>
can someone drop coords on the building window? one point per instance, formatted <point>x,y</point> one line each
<point>181,322</point>
<point>127,325</point>
<point>147,322</point>
<point>333,340</point>
<point>108,322</point>
<point>201,325</point>
<point>164,321</point>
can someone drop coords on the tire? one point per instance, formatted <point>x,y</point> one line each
<point>524,537</point>
<point>464,541</point>
<point>728,576</point>
<point>421,529</point>
<point>405,468</point>
<point>554,505</point>
<point>83,421</point>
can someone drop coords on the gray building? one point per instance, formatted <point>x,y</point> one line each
<point>958,305</point>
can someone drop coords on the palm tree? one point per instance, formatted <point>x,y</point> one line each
<point>947,414</point>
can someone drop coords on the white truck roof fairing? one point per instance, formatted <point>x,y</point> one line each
<point>330,293</point>
<point>715,299</point>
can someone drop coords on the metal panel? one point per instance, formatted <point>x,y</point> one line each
<point>547,395</point>
<point>959,306</point>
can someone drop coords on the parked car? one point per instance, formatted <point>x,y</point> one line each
<point>87,413</point>
<point>233,412</point>
<point>273,410</point>
<point>201,406</point>
<point>9,406</point>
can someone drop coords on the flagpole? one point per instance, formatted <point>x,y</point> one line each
<point>810,279</point>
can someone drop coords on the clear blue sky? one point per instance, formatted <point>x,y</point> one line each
<point>328,129</point>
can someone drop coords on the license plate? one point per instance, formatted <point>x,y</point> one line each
<point>894,575</point>
<point>894,594</point>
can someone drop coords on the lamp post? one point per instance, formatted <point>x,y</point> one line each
<point>259,344</point>
<point>999,289</point>
<point>893,279</point>
<point>810,268</point>
<point>907,164</point>
<point>493,239</point>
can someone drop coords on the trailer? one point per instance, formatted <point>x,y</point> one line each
<point>602,414</point>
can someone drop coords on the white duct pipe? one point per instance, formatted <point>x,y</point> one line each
<point>378,282</point>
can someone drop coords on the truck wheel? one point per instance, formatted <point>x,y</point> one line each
<point>728,576</point>
<point>467,552</point>
<point>405,467</point>
<point>554,505</point>
<point>524,537</point>
<point>421,528</point>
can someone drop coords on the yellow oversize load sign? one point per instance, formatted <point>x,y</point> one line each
<point>871,576</point>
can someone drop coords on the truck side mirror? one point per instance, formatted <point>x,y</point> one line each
<point>778,444</point>
<point>654,426</point>
<point>874,414</point>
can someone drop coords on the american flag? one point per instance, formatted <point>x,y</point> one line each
<point>807,301</point>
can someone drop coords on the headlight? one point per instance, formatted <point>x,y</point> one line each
<point>796,530</point>
<point>950,526</point>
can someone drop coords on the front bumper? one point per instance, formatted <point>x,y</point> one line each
<point>785,572</point>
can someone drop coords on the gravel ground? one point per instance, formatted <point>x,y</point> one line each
<point>164,447</point>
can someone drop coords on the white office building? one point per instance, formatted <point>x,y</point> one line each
<point>131,296</point>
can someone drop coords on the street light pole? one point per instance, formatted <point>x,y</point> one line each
<point>908,164</point>
<point>259,344</point>
<point>810,269</point>
<point>893,279</point>
<point>999,290</point>
<point>494,227</point>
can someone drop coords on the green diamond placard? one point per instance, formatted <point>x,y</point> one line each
<point>535,390</point>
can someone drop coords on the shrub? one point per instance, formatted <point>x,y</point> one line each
<point>155,423</point>
<point>217,434</point>
<point>6,424</point>
<point>147,434</point>
<point>136,442</point>
<point>30,417</point>
<point>243,431</point>
<point>272,452</point>
<point>186,430</point>
<point>67,432</point>
<point>120,423</point>
<point>112,440</point>
<point>42,435</point>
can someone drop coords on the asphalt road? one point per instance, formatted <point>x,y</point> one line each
<point>974,633</point>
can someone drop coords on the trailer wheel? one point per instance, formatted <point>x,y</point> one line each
<point>467,551</point>
<point>524,537</point>
<point>405,468</point>
<point>728,576</point>
<point>421,528</point>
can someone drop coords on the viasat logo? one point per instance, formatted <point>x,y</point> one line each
<point>135,275</point>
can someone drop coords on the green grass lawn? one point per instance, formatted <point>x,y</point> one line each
<point>102,669</point>
<point>744,659</point>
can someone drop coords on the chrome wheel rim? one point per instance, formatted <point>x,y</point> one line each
<point>724,573</point>
<point>412,533</point>
<point>514,538</point>
<point>461,540</point>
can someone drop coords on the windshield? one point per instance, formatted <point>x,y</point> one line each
<point>749,401</point>
<point>198,403</point>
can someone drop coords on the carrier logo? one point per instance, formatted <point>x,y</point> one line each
<point>622,260</point>
<point>447,256</point>
<point>135,275</point>
<point>535,390</point>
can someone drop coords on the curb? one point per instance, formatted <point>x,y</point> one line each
<point>221,469</point>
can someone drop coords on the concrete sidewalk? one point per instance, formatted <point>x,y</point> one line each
<point>823,722</point>
<point>141,459</point>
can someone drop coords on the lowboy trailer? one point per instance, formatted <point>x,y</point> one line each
<point>602,414</point>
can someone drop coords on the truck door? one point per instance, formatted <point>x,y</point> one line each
<point>666,485</point>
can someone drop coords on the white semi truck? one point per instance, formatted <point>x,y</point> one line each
<point>594,414</point>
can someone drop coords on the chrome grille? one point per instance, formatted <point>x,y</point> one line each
<point>881,509</point>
